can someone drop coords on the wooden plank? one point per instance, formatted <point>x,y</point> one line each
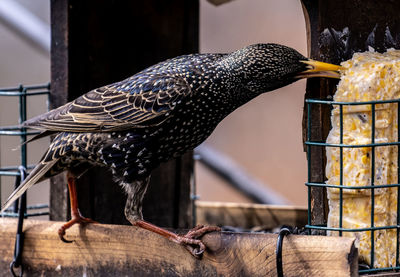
<point>112,250</point>
<point>249,215</point>
<point>97,42</point>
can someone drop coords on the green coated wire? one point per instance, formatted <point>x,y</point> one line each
<point>341,171</point>
<point>351,187</point>
<point>372,184</point>
<point>22,92</point>
<point>314,143</point>
<point>330,102</point>
<point>371,270</point>
<point>309,162</point>
<point>337,229</point>
<point>309,144</point>
<point>398,188</point>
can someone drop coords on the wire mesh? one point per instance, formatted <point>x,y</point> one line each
<point>341,187</point>
<point>22,93</point>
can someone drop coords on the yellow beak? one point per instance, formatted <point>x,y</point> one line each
<point>320,69</point>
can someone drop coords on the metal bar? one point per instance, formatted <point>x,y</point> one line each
<point>16,133</point>
<point>10,93</point>
<point>29,87</point>
<point>352,229</point>
<point>22,118</point>
<point>15,167</point>
<point>379,269</point>
<point>398,188</point>
<point>33,207</point>
<point>323,144</point>
<point>318,101</point>
<point>309,162</point>
<point>372,183</point>
<point>341,171</point>
<point>7,214</point>
<point>351,187</point>
<point>10,128</point>
<point>9,173</point>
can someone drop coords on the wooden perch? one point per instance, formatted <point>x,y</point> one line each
<point>114,250</point>
<point>249,215</point>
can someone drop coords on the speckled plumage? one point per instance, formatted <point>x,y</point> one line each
<point>160,113</point>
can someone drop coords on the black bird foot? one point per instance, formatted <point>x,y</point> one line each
<point>75,219</point>
<point>191,241</point>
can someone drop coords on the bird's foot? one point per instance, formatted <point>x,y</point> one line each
<point>75,219</point>
<point>191,241</point>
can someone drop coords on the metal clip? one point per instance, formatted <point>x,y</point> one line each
<point>279,268</point>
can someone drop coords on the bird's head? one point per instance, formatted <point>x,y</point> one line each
<point>265,67</point>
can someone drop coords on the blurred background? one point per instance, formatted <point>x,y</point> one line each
<point>264,137</point>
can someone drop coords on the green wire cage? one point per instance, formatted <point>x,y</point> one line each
<point>22,93</point>
<point>372,187</point>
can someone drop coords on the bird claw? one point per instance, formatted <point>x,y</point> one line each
<point>197,251</point>
<point>75,219</point>
<point>61,234</point>
<point>192,242</point>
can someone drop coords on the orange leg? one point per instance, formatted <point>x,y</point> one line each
<point>191,240</point>
<point>76,216</point>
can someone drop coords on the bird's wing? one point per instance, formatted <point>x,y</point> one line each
<point>140,101</point>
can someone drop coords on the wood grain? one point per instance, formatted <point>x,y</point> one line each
<point>106,250</point>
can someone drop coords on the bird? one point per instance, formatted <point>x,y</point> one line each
<point>132,126</point>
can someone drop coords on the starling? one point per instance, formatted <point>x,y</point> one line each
<point>158,114</point>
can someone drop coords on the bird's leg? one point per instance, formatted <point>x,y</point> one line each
<point>76,216</point>
<point>133,212</point>
<point>191,240</point>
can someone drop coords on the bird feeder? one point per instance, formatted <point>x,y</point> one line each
<point>336,30</point>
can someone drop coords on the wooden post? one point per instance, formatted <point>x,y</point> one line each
<point>336,29</point>
<point>95,43</point>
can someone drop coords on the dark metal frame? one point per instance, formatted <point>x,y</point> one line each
<point>310,143</point>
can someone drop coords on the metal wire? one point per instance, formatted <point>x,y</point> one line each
<point>19,172</point>
<point>21,92</point>
<point>310,144</point>
<point>279,244</point>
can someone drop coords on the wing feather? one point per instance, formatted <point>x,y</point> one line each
<point>140,101</point>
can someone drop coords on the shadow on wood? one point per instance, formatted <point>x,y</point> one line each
<point>115,250</point>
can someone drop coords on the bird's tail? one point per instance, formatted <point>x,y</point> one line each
<point>36,174</point>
